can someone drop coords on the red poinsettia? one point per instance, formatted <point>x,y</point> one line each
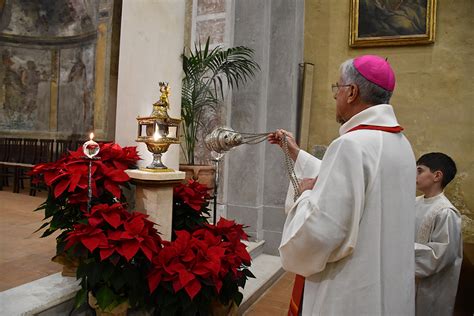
<point>69,175</point>
<point>89,236</point>
<point>113,230</point>
<point>203,257</point>
<point>193,194</point>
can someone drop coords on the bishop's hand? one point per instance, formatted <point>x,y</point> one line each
<point>307,184</point>
<point>277,139</point>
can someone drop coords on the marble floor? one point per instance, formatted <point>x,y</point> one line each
<point>275,301</point>
<point>24,256</point>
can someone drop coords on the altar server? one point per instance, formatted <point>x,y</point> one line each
<point>438,247</point>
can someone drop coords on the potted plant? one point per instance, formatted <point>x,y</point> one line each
<point>206,73</point>
<point>116,248</point>
<point>67,183</point>
<point>190,206</point>
<point>201,271</point>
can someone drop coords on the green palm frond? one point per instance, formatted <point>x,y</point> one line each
<point>206,73</point>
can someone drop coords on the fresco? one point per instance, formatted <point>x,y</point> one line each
<point>76,90</point>
<point>48,18</point>
<point>47,68</point>
<point>24,89</point>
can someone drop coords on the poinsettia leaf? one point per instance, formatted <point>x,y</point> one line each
<point>60,187</point>
<point>135,226</point>
<point>41,227</point>
<point>105,253</point>
<point>118,281</point>
<point>112,187</point>
<point>185,277</point>
<point>170,310</point>
<point>112,218</point>
<point>128,249</point>
<point>74,181</point>
<point>105,297</point>
<point>80,299</point>
<point>248,273</point>
<point>238,297</point>
<point>47,232</point>
<point>117,175</point>
<point>190,310</point>
<point>148,253</point>
<point>120,165</point>
<point>93,274</point>
<point>153,280</point>
<point>107,272</point>
<point>192,288</point>
<point>95,221</point>
<point>90,243</point>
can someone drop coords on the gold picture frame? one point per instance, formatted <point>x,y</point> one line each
<point>392,22</point>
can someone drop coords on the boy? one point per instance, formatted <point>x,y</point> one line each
<point>438,244</point>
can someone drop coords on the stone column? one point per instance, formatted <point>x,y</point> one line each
<point>257,181</point>
<point>154,196</point>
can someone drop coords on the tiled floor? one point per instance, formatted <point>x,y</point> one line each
<point>24,256</point>
<point>275,301</point>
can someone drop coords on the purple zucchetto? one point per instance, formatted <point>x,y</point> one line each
<point>377,70</point>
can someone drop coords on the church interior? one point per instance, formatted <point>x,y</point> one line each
<point>79,77</point>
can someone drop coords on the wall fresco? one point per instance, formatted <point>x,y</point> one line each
<point>49,18</point>
<point>24,88</point>
<point>76,90</point>
<point>48,66</point>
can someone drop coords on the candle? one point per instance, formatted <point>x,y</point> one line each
<point>90,148</point>
<point>156,135</point>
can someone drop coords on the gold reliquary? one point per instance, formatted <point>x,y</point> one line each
<point>158,131</point>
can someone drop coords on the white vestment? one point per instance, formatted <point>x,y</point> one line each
<point>438,255</point>
<point>352,235</point>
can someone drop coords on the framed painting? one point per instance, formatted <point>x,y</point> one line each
<point>392,22</point>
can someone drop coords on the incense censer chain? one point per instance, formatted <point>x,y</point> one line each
<point>290,167</point>
<point>222,139</point>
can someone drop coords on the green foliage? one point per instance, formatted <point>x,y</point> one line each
<point>112,284</point>
<point>186,218</point>
<point>59,214</point>
<point>206,73</point>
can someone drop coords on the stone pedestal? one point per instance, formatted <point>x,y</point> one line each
<point>154,196</point>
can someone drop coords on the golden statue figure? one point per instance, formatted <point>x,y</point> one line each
<point>165,92</point>
<point>160,107</point>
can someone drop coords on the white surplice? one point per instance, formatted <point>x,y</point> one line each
<point>438,255</point>
<point>352,235</point>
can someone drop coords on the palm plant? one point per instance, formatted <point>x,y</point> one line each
<point>206,73</point>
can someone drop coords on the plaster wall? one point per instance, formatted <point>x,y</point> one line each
<point>434,91</point>
<point>151,44</point>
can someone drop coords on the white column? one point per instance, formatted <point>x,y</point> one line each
<point>151,44</point>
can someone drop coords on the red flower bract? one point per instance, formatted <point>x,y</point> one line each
<point>113,230</point>
<point>69,175</point>
<point>204,257</point>
<point>193,194</point>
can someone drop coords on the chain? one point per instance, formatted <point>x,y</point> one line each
<point>291,169</point>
